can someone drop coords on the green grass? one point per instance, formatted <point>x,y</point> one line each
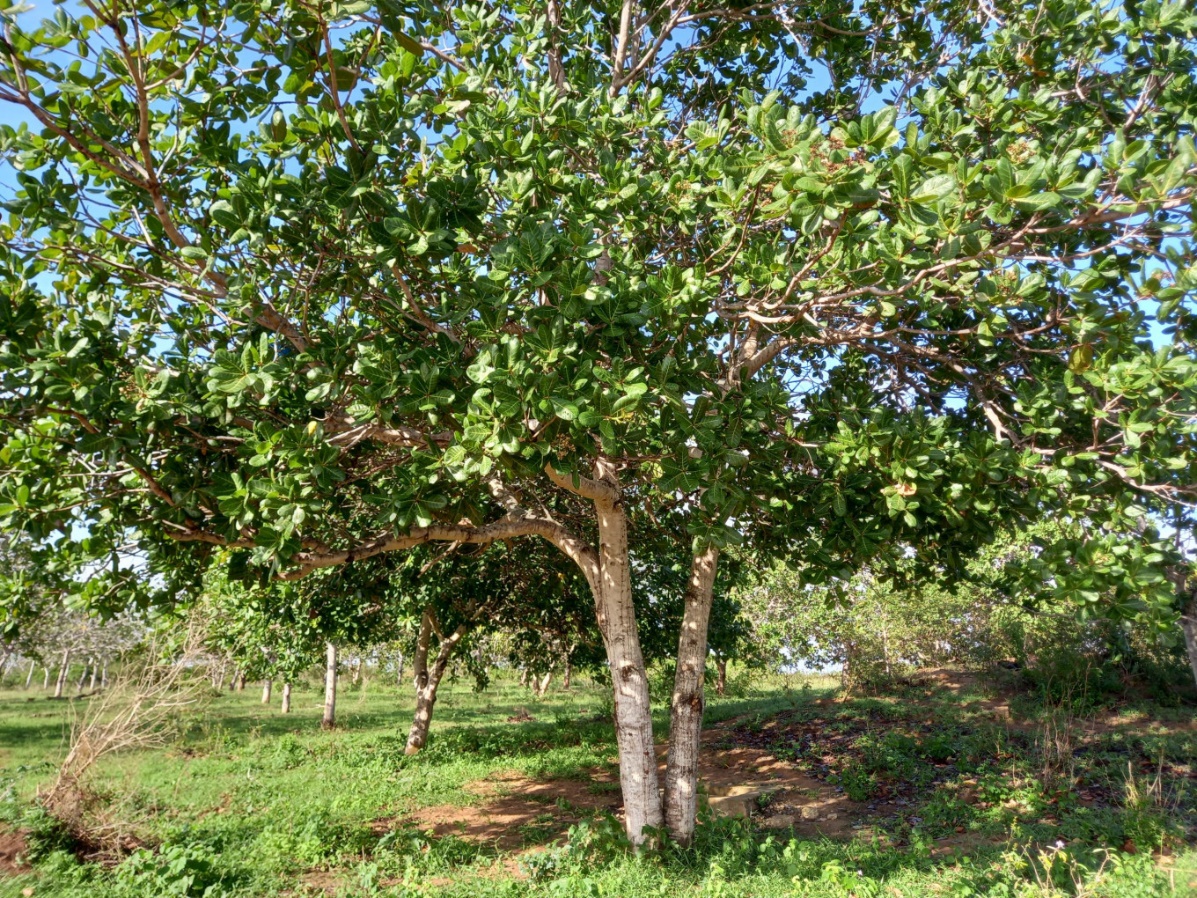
<point>243,801</point>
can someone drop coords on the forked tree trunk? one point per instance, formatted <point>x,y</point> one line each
<point>541,686</point>
<point>266,687</point>
<point>83,676</point>
<point>721,679</point>
<point>62,674</point>
<point>428,677</point>
<point>685,715</point>
<point>29,676</point>
<point>330,687</point>
<point>632,710</point>
<point>286,709</point>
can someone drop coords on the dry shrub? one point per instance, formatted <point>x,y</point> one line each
<point>138,710</point>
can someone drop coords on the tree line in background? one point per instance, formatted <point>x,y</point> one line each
<point>875,634</point>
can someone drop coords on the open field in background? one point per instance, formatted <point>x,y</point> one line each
<point>956,785</point>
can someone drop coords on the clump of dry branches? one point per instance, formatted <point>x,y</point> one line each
<point>139,710</point>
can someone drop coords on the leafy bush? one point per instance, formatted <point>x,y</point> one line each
<point>179,871</point>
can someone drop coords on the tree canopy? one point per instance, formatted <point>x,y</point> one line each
<point>320,281</point>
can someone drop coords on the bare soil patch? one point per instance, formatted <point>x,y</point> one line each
<point>517,811</point>
<point>14,847</point>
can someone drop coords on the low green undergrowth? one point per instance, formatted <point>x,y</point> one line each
<point>246,802</point>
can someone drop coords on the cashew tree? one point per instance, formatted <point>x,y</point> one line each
<point>321,281</point>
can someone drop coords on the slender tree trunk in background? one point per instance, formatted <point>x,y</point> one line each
<point>104,676</point>
<point>46,679</point>
<point>568,675</point>
<point>541,686</point>
<point>95,670</point>
<point>266,687</point>
<point>685,714</point>
<point>1188,624</point>
<point>240,681</point>
<point>286,698</point>
<point>721,679</point>
<point>633,711</point>
<point>357,670</point>
<point>330,688</point>
<point>83,675</point>
<point>428,678</point>
<point>4,664</point>
<point>29,676</point>
<point>62,674</point>
<point>523,676</point>
<point>399,670</point>
<point>885,644</point>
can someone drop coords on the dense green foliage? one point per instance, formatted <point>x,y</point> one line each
<point>320,282</point>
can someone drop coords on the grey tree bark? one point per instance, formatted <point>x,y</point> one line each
<point>95,670</point>
<point>1188,625</point>
<point>330,687</point>
<point>721,679</point>
<point>29,676</point>
<point>541,686</point>
<point>266,688</point>
<point>62,674</point>
<point>46,679</point>
<point>286,709</point>
<point>686,708</point>
<point>617,622</point>
<point>428,677</point>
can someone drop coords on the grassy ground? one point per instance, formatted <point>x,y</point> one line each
<point>944,789</point>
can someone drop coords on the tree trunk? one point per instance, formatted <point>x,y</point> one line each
<point>83,676</point>
<point>1188,624</point>
<point>62,674</point>
<point>523,676</point>
<point>721,679</point>
<point>633,713</point>
<point>286,698</point>
<point>357,671</point>
<point>330,688</point>
<point>568,675</point>
<point>541,686</point>
<point>29,676</point>
<point>428,679</point>
<point>685,716</point>
<point>399,670</point>
<point>95,670</point>
<point>46,679</point>
<point>266,687</point>
<point>240,681</point>
<point>104,675</point>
